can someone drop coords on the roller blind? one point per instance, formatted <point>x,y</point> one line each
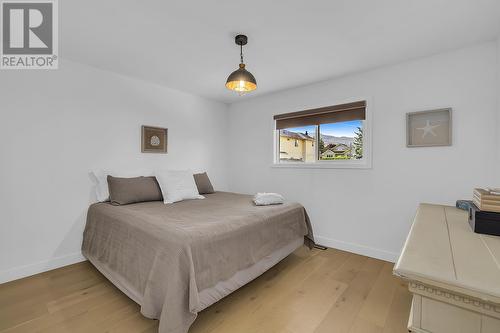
<point>324,115</point>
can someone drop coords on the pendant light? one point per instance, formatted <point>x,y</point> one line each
<point>241,80</point>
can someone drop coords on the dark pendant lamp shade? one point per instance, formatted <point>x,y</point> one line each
<point>241,80</point>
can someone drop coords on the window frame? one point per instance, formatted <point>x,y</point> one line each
<point>363,163</point>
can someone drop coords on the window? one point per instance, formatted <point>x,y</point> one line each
<point>341,141</point>
<point>333,135</point>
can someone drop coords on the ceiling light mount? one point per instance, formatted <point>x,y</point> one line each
<point>241,40</point>
<point>241,80</point>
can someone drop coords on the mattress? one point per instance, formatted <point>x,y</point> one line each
<point>175,260</point>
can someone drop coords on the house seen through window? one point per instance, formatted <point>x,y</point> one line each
<point>297,144</point>
<point>334,134</point>
<point>343,140</point>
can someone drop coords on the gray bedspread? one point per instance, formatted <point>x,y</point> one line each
<point>164,255</point>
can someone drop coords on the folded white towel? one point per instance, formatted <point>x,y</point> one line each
<point>265,199</point>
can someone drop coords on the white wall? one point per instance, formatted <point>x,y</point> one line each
<point>370,211</point>
<point>55,126</point>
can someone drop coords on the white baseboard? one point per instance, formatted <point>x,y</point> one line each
<point>357,248</point>
<point>40,267</point>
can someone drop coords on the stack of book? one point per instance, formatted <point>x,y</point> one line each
<point>484,211</point>
<point>487,200</point>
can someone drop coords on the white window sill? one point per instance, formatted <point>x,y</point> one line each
<point>325,165</point>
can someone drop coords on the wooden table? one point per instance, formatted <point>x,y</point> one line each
<point>453,274</point>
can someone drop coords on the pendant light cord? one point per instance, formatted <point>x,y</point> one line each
<point>241,52</point>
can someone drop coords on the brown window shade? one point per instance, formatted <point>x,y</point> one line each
<point>325,115</point>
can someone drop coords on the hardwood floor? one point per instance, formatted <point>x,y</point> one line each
<point>310,291</point>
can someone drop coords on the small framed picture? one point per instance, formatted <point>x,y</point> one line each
<point>429,128</point>
<point>154,139</point>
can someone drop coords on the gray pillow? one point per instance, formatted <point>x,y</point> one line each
<point>123,191</point>
<point>203,183</point>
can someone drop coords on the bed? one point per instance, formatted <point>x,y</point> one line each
<point>176,260</point>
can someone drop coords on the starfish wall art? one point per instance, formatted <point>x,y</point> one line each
<point>429,128</point>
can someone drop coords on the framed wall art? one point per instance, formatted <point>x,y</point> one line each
<point>429,128</point>
<point>154,139</point>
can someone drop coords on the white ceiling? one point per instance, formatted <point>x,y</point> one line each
<point>189,45</point>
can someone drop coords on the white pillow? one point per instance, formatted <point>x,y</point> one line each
<point>265,199</point>
<point>177,185</point>
<point>101,180</point>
